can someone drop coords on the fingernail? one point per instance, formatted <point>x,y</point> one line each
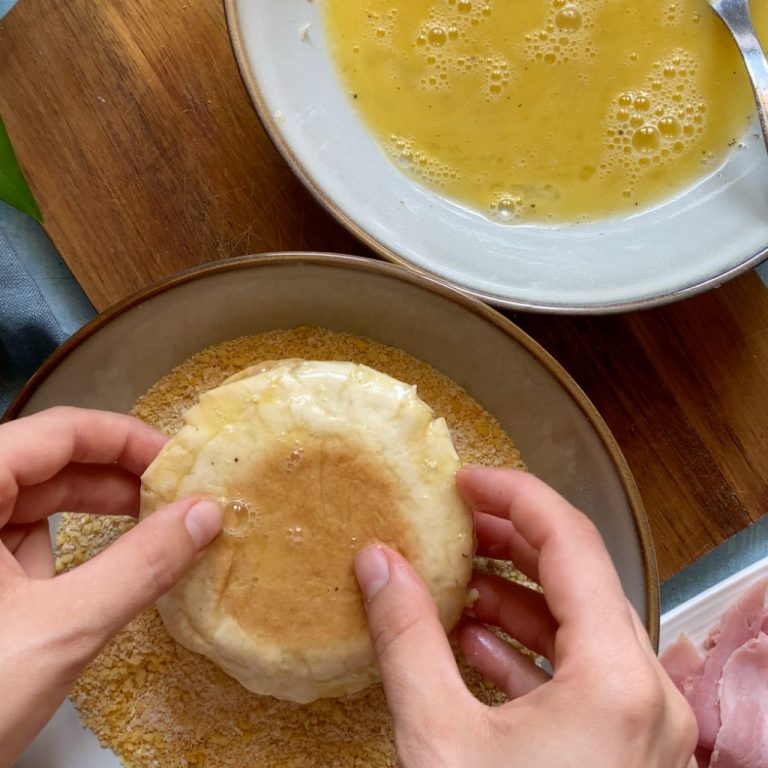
<point>372,571</point>
<point>203,522</point>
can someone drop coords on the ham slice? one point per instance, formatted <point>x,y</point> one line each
<point>742,741</point>
<point>740,624</point>
<point>682,662</point>
<point>700,684</point>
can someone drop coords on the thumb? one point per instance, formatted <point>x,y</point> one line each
<point>417,665</point>
<point>110,590</point>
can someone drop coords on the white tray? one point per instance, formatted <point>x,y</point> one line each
<point>65,743</point>
<point>698,615</point>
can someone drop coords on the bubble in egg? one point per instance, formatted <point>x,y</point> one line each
<point>238,517</point>
<point>569,18</point>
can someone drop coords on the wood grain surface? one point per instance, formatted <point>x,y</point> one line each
<point>141,144</point>
<point>147,157</point>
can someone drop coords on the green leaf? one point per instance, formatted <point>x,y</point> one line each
<point>13,186</point>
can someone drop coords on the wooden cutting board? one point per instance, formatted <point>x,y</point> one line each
<point>146,157</point>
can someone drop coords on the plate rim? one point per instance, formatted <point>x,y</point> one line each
<point>275,135</point>
<point>426,282</point>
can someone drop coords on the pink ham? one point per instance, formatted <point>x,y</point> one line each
<point>740,624</point>
<point>742,741</point>
<point>682,661</point>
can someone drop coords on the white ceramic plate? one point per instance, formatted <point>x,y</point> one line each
<point>698,615</point>
<point>697,240</point>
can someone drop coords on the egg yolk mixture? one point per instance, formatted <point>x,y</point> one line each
<point>546,110</point>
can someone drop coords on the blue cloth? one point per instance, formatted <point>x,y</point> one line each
<point>29,331</point>
<point>41,260</point>
<point>40,302</point>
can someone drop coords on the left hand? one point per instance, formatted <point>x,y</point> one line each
<point>52,628</point>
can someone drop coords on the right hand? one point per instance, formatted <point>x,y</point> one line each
<point>609,704</point>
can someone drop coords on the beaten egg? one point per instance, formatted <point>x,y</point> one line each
<point>546,110</point>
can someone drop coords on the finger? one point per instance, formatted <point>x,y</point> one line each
<point>521,612</point>
<point>9,566</point>
<point>131,574</point>
<point>498,539</point>
<point>642,634</point>
<point>33,552</point>
<point>99,489</point>
<point>35,448</point>
<point>508,669</point>
<point>12,535</point>
<point>581,585</point>
<point>417,665</point>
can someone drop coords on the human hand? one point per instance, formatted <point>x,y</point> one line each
<point>51,628</point>
<point>609,704</point>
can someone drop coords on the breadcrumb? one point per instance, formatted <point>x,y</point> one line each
<point>158,705</point>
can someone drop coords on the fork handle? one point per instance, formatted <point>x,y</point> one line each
<point>735,14</point>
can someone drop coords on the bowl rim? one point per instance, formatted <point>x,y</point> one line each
<point>426,282</point>
<point>275,135</point>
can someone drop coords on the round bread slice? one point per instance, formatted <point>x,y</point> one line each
<point>311,461</point>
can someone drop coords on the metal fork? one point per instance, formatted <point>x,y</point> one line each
<point>735,14</point>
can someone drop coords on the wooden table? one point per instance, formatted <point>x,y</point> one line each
<point>147,157</point>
